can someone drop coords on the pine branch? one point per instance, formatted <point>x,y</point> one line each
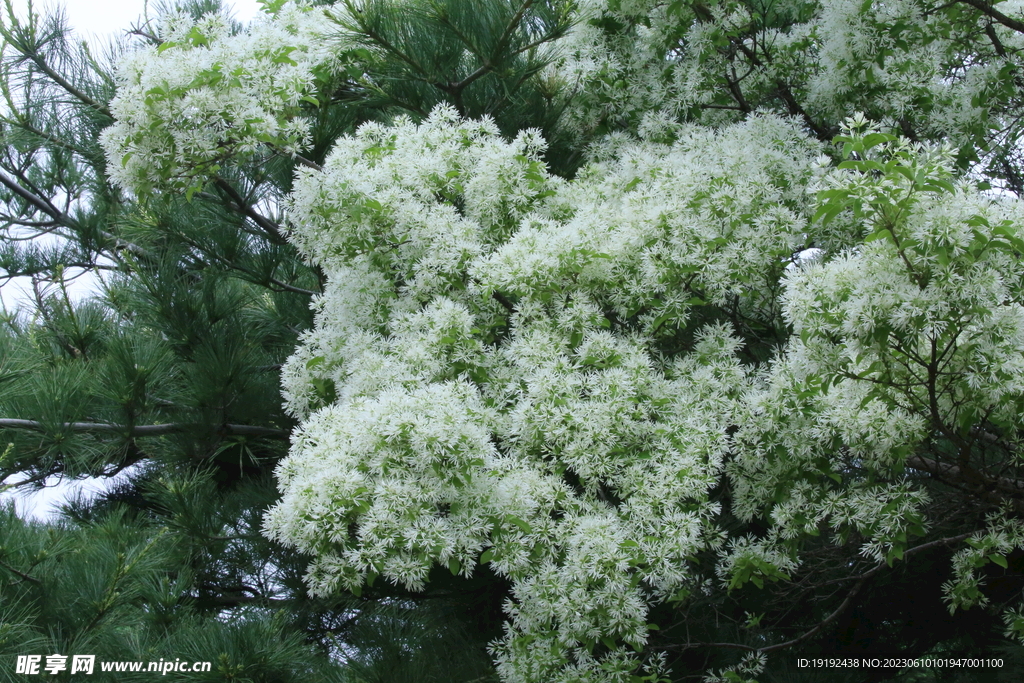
<point>257,278</point>
<point>10,274</point>
<point>23,123</point>
<point>23,575</point>
<point>291,288</point>
<point>239,203</point>
<point>488,63</point>
<point>36,201</point>
<point>72,90</point>
<point>510,29</point>
<point>362,27</point>
<point>112,595</point>
<point>140,431</point>
<point>237,600</point>
<point>31,53</point>
<point>49,209</point>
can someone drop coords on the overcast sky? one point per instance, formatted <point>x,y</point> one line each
<point>102,17</point>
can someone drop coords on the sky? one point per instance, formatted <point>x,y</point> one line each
<point>95,21</point>
<point>101,17</point>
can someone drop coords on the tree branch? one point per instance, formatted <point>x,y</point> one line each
<point>291,288</point>
<point>50,210</point>
<point>860,579</point>
<point>36,201</point>
<point>41,64</point>
<point>1004,484</point>
<point>23,575</point>
<point>992,12</point>
<point>236,600</point>
<point>456,89</point>
<point>309,163</point>
<point>240,204</point>
<point>503,300</point>
<point>139,431</point>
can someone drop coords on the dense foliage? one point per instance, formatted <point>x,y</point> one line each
<point>166,380</point>
<point>685,332</point>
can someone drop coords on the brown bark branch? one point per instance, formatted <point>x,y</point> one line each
<point>139,431</point>
<point>992,12</point>
<point>50,210</point>
<point>309,163</point>
<point>1005,484</point>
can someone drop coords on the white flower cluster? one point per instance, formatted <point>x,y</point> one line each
<point>634,60</point>
<point>205,94</point>
<point>752,664</point>
<point>914,335</point>
<point>1003,535</point>
<point>483,383</point>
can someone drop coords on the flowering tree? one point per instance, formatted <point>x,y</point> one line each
<point>608,315</point>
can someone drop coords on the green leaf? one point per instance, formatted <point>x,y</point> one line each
<point>282,56</point>
<point>874,139</point>
<point>827,212</point>
<point>197,38</point>
<point>884,233</point>
<point>271,7</point>
<point>661,320</point>
<point>527,529</point>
